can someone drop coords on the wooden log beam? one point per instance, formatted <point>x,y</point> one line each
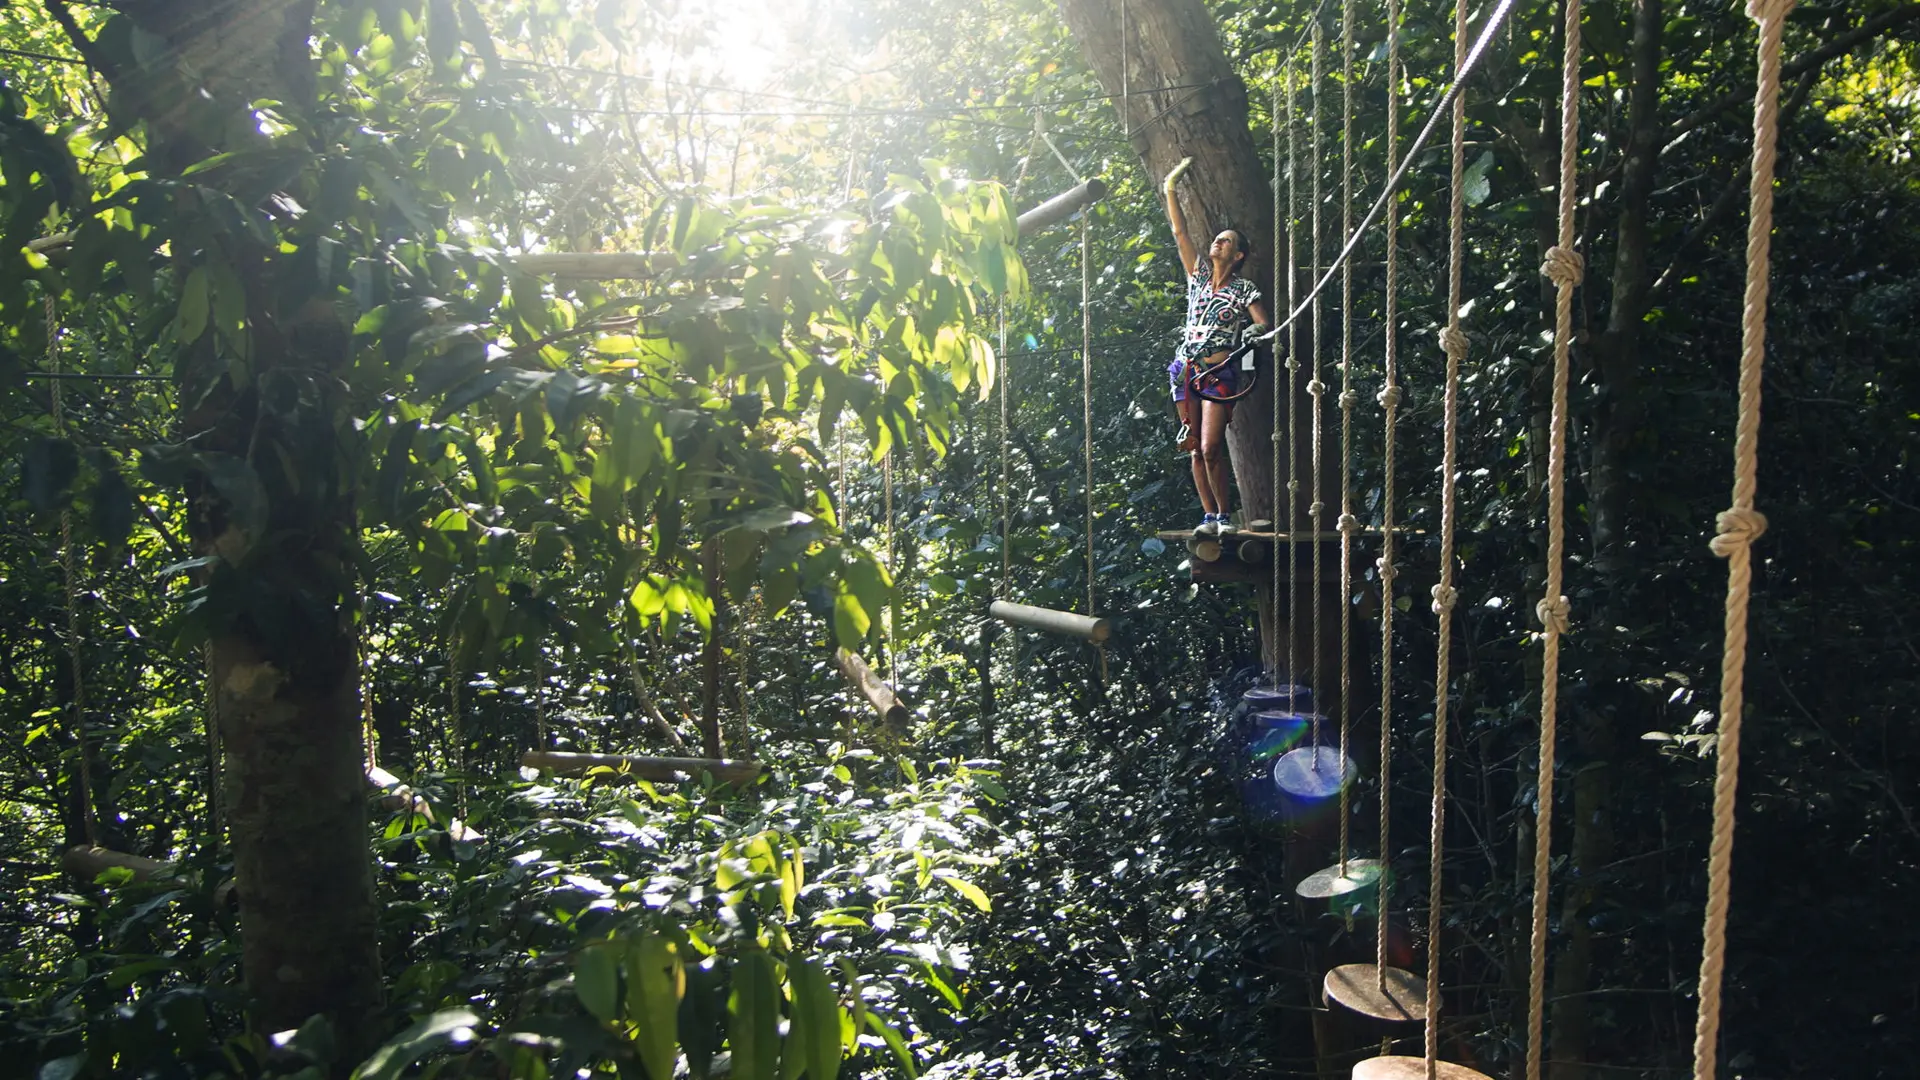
<point>594,265</point>
<point>861,679</point>
<point>1090,627</point>
<point>660,769</point>
<point>1062,206</point>
<point>88,863</point>
<point>398,797</point>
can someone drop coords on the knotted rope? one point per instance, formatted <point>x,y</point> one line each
<point>1315,388</point>
<point>1086,407</point>
<point>1738,527</point>
<point>1390,406</point>
<point>1280,223</point>
<point>1293,399</point>
<point>1565,268</point>
<point>1347,522</point>
<point>1454,340</point>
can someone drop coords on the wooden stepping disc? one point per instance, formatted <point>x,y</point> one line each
<point>1357,986</point>
<point>1314,772</point>
<point>1411,1068</point>
<point>1329,883</point>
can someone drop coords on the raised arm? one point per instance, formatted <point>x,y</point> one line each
<point>1188,257</point>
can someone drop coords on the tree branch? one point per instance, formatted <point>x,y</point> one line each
<point>82,44</point>
<point>1801,65</point>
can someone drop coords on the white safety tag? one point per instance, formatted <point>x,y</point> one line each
<point>1246,362</point>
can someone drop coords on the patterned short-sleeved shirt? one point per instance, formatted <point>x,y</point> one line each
<point>1214,316</point>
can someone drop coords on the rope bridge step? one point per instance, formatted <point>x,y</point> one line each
<point>1412,1068</point>
<point>1380,993</point>
<point>1065,623</point>
<point>88,862</point>
<point>659,769</point>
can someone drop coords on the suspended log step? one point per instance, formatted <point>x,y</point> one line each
<point>1088,627</point>
<point>88,863</point>
<point>1381,993</point>
<point>1411,1068</point>
<point>1062,206</point>
<point>861,680</point>
<point>658,769</point>
<point>399,797</point>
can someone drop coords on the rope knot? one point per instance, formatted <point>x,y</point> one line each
<point>1555,613</point>
<point>1564,266</point>
<point>1348,399</point>
<point>1769,10</point>
<point>1444,597</point>
<point>1316,387</point>
<point>1389,396</point>
<point>1317,508</point>
<point>1454,341</point>
<point>1387,572</point>
<point>1348,523</point>
<point>1738,528</point>
<point>1293,487</point>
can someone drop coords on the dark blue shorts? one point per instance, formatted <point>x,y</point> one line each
<point>1227,382</point>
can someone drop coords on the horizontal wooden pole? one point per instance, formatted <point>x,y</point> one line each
<point>660,769</point>
<point>399,796</point>
<point>594,265</point>
<point>1089,627</point>
<point>88,863</point>
<point>861,679</point>
<point>1062,206</point>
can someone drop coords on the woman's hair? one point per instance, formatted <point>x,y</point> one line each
<point>1245,247</point>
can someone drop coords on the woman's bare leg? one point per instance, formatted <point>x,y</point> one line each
<point>1200,480</point>
<point>1210,466</point>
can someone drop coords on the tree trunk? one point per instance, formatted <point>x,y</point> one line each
<point>279,605</point>
<point>1187,101</point>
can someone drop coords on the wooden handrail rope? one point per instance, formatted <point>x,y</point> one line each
<point>1564,267</point>
<point>1347,522</point>
<point>75,666</point>
<point>1738,526</point>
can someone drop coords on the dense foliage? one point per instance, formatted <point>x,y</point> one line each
<point>640,515</point>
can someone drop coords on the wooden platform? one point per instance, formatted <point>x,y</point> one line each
<point>1245,556</point>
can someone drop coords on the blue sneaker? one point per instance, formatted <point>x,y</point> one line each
<point>1209,526</point>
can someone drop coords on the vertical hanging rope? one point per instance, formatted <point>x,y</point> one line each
<point>215,812</point>
<point>1279,225</point>
<point>365,664</point>
<point>1126,68</point>
<point>1738,526</point>
<point>1086,407</point>
<point>1293,395</point>
<point>1348,523</point>
<point>1315,388</point>
<point>1565,268</point>
<point>457,722</point>
<point>1006,466</point>
<point>886,484</point>
<point>540,696</point>
<point>1390,408</point>
<point>76,670</point>
<point>1454,340</point>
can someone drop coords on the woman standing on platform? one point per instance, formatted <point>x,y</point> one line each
<point>1219,303</point>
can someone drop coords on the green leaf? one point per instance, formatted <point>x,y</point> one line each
<point>816,1019</point>
<point>754,1010</point>
<point>965,888</point>
<point>240,486</point>
<point>655,983</point>
<point>596,981</point>
<point>886,1031</point>
<point>1477,185</point>
<point>700,1016</point>
<point>191,320</point>
<point>391,1060</point>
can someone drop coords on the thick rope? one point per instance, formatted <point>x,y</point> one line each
<point>1454,340</point>
<point>1390,407</point>
<point>1565,268</point>
<point>540,696</point>
<point>1086,408</point>
<point>71,581</point>
<point>1315,388</point>
<point>458,722</point>
<point>1738,527</point>
<point>886,485</point>
<point>215,812</point>
<point>1348,523</point>
<point>1293,398</point>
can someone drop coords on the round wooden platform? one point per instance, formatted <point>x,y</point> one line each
<point>1329,883</point>
<point>1314,772</point>
<point>1411,1068</point>
<point>1357,986</point>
